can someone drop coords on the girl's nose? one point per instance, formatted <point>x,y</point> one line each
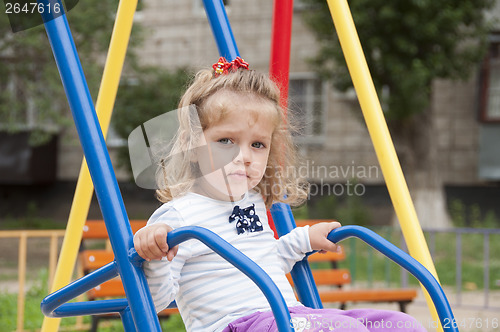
<point>244,156</point>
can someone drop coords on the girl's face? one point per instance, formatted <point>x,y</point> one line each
<point>236,148</point>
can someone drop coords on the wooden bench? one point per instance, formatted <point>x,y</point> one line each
<point>339,277</point>
<point>92,259</point>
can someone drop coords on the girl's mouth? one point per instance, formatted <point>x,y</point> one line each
<point>239,174</point>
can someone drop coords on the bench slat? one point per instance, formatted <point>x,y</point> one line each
<point>370,295</point>
<point>94,259</point>
<point>96,229</point>
<point>110,288</point>
<point>335,277</point>
<point>310,222</point>
<point>327,256</point>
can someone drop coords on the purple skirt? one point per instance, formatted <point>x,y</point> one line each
<point>304,319</point>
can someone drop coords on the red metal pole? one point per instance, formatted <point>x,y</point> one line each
<point>279,65</point>
<point>279,68</point>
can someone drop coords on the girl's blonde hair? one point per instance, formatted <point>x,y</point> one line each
<point>281,181</point>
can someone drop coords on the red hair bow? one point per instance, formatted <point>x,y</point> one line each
<point>239,63</point>
<point>223,67</point>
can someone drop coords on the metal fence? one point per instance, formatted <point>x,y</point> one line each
<point>459,233</point>
<point>23,236</point>
<point>455,240</point>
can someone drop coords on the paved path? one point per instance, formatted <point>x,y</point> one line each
<point>469,319</point>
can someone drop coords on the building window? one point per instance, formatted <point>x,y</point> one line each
<point>306,99</point>
<point>489,110</point>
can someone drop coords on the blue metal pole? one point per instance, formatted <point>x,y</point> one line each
<point>284,223</point>
<point>127,320</point>
<point>69,292</point>
<point>221,29</point>
<point>406,261</point>
<point>90,308</point>
<point>100,167</point>
<point>301,272</point>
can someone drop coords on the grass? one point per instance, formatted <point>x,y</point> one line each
<point>172,324</point>
<point>33,317</point>
<point>30,220</point>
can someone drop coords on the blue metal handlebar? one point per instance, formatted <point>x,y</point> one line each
<point>406,261</point>
<point>243,263</point>
<point>54,305</point>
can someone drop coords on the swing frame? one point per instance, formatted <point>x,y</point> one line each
<point>137,310</point>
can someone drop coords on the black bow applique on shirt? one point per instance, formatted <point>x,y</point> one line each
<point>246,219</point>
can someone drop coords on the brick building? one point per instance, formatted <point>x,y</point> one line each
<point>336,144</point>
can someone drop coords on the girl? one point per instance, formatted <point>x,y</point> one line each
<point>231,159</point>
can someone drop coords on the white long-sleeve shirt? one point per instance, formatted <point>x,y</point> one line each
<point>209,291</point>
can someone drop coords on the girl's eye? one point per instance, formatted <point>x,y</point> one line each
<point>225,141</point>
<point>258,145</point>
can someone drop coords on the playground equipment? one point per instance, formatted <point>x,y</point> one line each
<point>137,311</point>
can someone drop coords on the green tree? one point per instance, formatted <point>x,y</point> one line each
<point>407,45</point>
<point>31,94</point>
<point>154,92</point>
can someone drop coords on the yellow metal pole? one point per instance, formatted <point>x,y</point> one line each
<point>381,138</point>
<point>22,280</point>
<point>52,258</point>
<point>84,188</point>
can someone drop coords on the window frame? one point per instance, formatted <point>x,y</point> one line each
<point>485,73</point>
<point>311,139</point>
